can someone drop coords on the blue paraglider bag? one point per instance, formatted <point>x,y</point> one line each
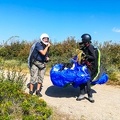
<point>77,74</point>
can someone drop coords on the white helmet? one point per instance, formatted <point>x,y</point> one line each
<point>43,36</point>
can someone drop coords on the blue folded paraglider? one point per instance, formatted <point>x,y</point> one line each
<point>76,75</point>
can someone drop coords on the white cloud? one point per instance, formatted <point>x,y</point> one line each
<point>116,30</point>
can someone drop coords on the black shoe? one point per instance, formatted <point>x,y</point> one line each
<point>38,93</point>
<point>91,99</point>
<point>31,92</point>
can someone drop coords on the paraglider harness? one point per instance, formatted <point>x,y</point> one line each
<point>98,67</point>
<point>95,70</point>
<point>30,58</point>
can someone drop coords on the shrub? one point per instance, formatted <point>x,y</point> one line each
<point>14,102</point>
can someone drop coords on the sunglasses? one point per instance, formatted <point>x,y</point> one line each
<point>46,38</point>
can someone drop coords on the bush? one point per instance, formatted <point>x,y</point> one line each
<point>15,103</point>
<point>62,52</point>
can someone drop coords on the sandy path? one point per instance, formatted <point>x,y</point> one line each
<point>106,106</point>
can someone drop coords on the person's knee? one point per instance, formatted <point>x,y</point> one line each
<point>40,80</point>
<point>39,83</point>
<point>32,82</point>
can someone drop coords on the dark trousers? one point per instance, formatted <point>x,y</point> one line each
<point>86,87</point>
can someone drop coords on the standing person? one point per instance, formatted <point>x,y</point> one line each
<point>38,59</point>
<point>90,62</point>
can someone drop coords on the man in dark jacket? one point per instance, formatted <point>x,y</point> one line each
<point>90,62</point>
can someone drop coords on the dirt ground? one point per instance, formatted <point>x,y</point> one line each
<point>105,107</point>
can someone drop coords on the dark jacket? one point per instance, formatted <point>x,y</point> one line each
<point>90,58</point>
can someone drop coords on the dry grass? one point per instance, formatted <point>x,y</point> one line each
<point>57,115</point>
<point>115,79</point>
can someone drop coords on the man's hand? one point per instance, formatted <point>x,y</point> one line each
<point>49,45</point>
<point>47,59</point>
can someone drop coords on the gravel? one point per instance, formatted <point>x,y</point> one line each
<point>105,107</point>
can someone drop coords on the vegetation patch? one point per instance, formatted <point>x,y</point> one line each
<point>15,103</point>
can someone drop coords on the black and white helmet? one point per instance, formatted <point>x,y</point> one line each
<point>86,38</point>
<point>44,35</point>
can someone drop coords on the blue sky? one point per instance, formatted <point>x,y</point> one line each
<point>28,19</point>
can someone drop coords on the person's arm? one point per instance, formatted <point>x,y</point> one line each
<point>44,51</point>
<point>92,53</point>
